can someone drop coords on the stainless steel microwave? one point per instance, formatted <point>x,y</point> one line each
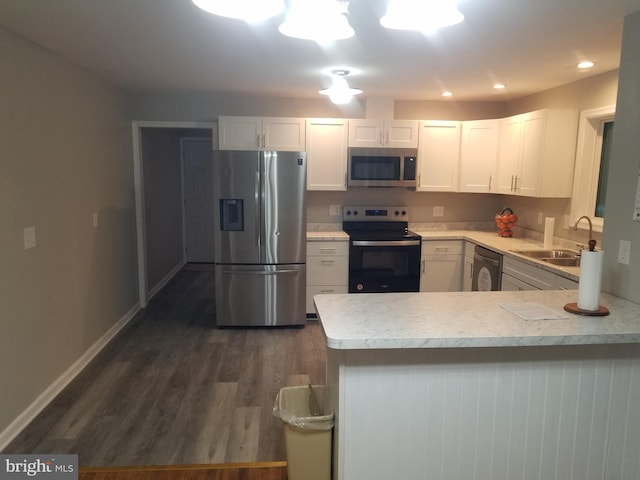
<point>382,167</point>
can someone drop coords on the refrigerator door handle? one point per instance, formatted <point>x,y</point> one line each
<point>257,217</point>
<point>261,272</point>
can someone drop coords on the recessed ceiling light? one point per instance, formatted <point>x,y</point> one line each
<point>499,86</point>
<point>447,94</point>
<point>585,64</point>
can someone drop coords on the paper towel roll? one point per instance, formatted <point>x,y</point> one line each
<point>549,223</point>
<point>590,280</point>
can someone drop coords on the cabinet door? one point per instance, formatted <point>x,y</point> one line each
<point>533,147</point>
<point>438,156</point>
<point>478,155</point>
<point>401,133</point>
<point>467,268</point>
<point>512,284</point>
<point>365,133</point>
<point>239,133</point>
<point>283,134</point>
<point>327,154</point>
<point>441,269</point>
<point>509,154</point>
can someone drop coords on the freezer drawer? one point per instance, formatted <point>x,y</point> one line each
<point>260,295</point>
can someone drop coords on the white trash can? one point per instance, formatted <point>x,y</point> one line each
<point>308,429</point>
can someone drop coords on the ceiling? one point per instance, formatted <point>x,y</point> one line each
<point>171,45</point>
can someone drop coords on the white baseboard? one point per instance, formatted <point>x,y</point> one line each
<point>15,427</point>
<point>161,284</point>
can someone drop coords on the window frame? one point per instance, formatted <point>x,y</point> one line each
<point>587,168</point>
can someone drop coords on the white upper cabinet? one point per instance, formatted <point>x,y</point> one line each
<point>478,155</point>
<point>383,133</point>
<point>327,153</point>
<point>536,153</point>
<point>262,133</point>
<point>438,156</point>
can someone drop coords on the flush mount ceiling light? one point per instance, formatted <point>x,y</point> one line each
<point>585,65</point>
<point>249,10</point>
<point>423,15</point>
<point>340,92</point>
<point>319,20</point>
<point>499,86</point>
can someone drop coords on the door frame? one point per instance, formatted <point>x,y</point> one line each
<point>138,185</point>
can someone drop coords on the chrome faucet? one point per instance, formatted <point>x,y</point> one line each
<point>592,242</point>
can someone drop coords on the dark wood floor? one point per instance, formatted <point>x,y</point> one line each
<point>172,388</point>
<point>262,471</point>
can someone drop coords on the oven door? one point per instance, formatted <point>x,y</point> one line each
<point>384,266</point>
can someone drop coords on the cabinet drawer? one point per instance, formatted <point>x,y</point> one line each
<point>321,289</point>
<point>442,247</point>
<point>327,271</point>
<point>327,248</point>
<point>534,276</point>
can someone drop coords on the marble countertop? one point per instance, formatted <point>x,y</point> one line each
<point>468,319</point>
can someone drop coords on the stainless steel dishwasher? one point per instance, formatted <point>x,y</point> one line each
<point>487,270</point>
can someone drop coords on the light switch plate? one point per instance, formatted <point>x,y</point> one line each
<point>334,210</point>
<point>540,218</point>
<point>438,211</point>
<point>29,237</point>
<point>624,252</point>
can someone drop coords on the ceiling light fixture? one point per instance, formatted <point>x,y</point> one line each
<point>426,16</point>
<point>249,10</point>
<point>447,94</point>
<point>319,20</point>
<point>499,86</point>
<point>586,64</point>
<point>340,92</point>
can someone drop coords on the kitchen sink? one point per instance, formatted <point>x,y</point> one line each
<point>560,258</point>
<point>551,254</point>
<point>563,262</point>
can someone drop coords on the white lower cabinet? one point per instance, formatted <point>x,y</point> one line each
<point>327,269</point>
<point>441,268</point>
<point>467,269</point>
<point>518,275</point>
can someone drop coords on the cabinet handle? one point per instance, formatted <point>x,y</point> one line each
<point>515,184</point>
<point>327,262</point>
<point>327,290</point>
<point>264,140</point>
<point>442,249</point>
<point>328,250</point>
<point>490,179</point>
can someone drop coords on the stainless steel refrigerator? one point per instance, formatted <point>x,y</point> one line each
<point>260,241</point>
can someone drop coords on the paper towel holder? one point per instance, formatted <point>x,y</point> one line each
<point>573,307</point>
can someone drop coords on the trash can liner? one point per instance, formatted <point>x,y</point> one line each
<point>292,405</point>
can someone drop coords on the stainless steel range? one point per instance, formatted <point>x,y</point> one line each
<point>384,256</point>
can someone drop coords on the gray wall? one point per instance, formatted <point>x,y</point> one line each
<point>65,152</point>
<point>624,280</point>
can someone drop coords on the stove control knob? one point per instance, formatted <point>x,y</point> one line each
<point>397,213</point>
<point>404,212</point>
<point>348,212</point>
<point>355,212</point>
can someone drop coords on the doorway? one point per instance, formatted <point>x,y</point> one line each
<point>155,266</point>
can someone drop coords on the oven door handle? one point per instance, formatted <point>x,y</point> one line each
<point>385,243</point>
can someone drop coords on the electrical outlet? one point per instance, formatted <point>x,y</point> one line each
<point>334,210</point>
<point>624,252</point>
<point>438,211</point>
<point>94,218</point>
<point>540,218</point>
<point>29,237</point>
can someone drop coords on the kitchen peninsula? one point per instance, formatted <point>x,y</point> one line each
<point>455,385</point>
